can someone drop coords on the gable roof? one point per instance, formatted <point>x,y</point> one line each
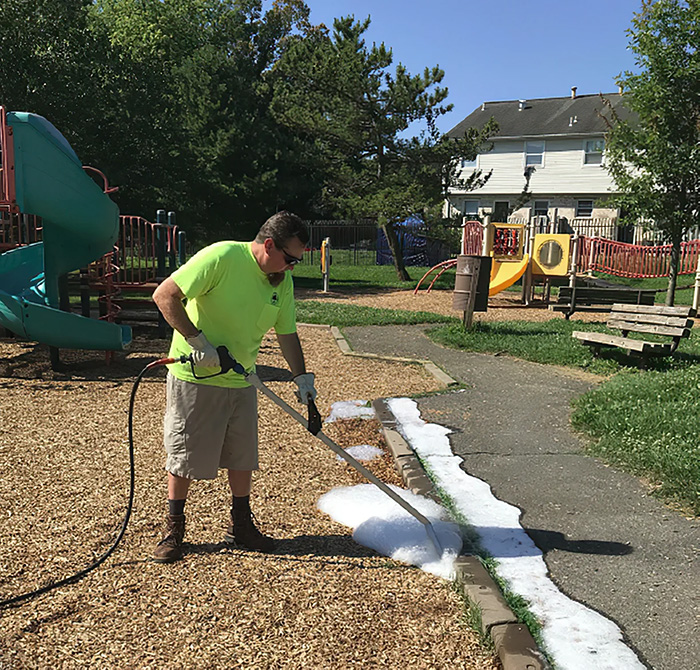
<point>545,116</point>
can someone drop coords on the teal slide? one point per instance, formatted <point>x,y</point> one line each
<point>80,225</point>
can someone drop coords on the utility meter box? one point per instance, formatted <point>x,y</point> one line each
<point>551,253</point>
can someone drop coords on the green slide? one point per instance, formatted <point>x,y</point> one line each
<point>80,225</point>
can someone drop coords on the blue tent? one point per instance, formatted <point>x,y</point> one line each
<point>416,247</point>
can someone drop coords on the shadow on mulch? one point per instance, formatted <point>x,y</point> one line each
<point>305,547</point>
<point>77,365</point>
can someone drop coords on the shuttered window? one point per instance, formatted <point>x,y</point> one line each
<point>584,208</point>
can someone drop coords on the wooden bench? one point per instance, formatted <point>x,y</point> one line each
<point>674,322</point>
<point>596,298</point>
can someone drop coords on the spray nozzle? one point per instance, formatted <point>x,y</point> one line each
<point>228,362</point>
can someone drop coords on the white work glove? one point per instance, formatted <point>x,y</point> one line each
<point>305,384</point>
<point>203,353</point>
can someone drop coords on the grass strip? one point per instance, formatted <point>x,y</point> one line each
<point>472,545</point>
<point>550,342</point>
<point>649,424</point>
<point>338,314</point>
<point>347,278</point>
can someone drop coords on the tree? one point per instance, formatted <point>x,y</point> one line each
<point>170,98</point>
<point>207,63</point>
<point>654,156</point>
<point>339,93</point>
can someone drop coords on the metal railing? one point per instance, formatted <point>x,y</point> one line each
<point>17,230</point>
<point>352,242</point>
<point>634,260</point>
<point>145,252</point>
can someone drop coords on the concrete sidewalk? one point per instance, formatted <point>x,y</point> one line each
<point>606,542</point>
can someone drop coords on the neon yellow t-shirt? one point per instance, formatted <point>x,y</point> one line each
<point>230,299</point>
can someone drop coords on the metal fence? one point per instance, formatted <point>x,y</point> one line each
<point>352,242</point>
<point>362,242</point>
<point>17,230</point>
<point>633,260</point>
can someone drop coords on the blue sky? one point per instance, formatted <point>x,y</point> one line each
<point>500,49</point>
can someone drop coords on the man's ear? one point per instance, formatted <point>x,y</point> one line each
<point>268,244</point>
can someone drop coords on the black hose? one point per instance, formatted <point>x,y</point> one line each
<point>227,363</point>
<point>79,575</point>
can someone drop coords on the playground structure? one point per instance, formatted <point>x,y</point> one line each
<point>504,242</point>
<point>55,221</point>
<point>557,259</point>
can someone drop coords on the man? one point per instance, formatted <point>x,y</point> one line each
<point>235,292</point>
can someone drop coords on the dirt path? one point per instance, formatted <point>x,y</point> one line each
<point>320,601</point>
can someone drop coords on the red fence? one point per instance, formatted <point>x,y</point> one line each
<point>472,235</point>
<point>632,260</point>
<point>141,254</point>
<point>17,230</point>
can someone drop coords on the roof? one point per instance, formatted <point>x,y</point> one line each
<point>544,116</point>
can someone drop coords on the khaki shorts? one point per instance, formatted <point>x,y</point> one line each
<point>209,427</point>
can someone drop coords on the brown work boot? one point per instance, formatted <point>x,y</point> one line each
<point>243,532</point>
<point>169,549</point>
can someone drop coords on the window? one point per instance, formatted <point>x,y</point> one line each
<point>584,209</point>
<point>534,153</point>
<point>470,208</point>
<point>540,208</point>
<point>593,152</point>
<point>467,163</point>
<point>501,210</point>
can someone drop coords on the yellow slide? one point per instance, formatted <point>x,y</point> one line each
<point>506,273</point>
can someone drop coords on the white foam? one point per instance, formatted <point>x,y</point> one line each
<point>351,409</point>
<point>362,452</point>
<point>577,637</point>
<point>378,522</point>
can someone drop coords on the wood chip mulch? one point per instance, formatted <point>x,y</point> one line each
<point>319,601</point>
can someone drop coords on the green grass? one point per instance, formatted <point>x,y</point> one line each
<point>649,424</point>
<point>550,342</point>
<point>364,278</point>
<point>472,545</point>
<point>338,314</point>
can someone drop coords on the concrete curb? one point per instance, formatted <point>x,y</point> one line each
<point>512,640</point>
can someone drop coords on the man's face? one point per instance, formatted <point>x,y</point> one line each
<point>281,260</point>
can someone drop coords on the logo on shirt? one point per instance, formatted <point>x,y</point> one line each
<point>274,298</point>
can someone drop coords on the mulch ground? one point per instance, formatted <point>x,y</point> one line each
<point>320,600</point>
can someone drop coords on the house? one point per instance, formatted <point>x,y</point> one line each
<point>560,144</point>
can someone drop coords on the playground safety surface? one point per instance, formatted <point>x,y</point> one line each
<point>320,601</point>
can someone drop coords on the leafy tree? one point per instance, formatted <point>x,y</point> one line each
<point>171,99</point>
<point>208,62</point>
<point>654,156</point>
<point>338,93</point>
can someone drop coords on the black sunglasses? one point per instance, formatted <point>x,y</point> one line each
<point>290,260</point>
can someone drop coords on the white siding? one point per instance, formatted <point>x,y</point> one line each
<point>563,172</point>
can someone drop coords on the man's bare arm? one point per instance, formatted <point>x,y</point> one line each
<point>291,350</point>
<point>168,297</point>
